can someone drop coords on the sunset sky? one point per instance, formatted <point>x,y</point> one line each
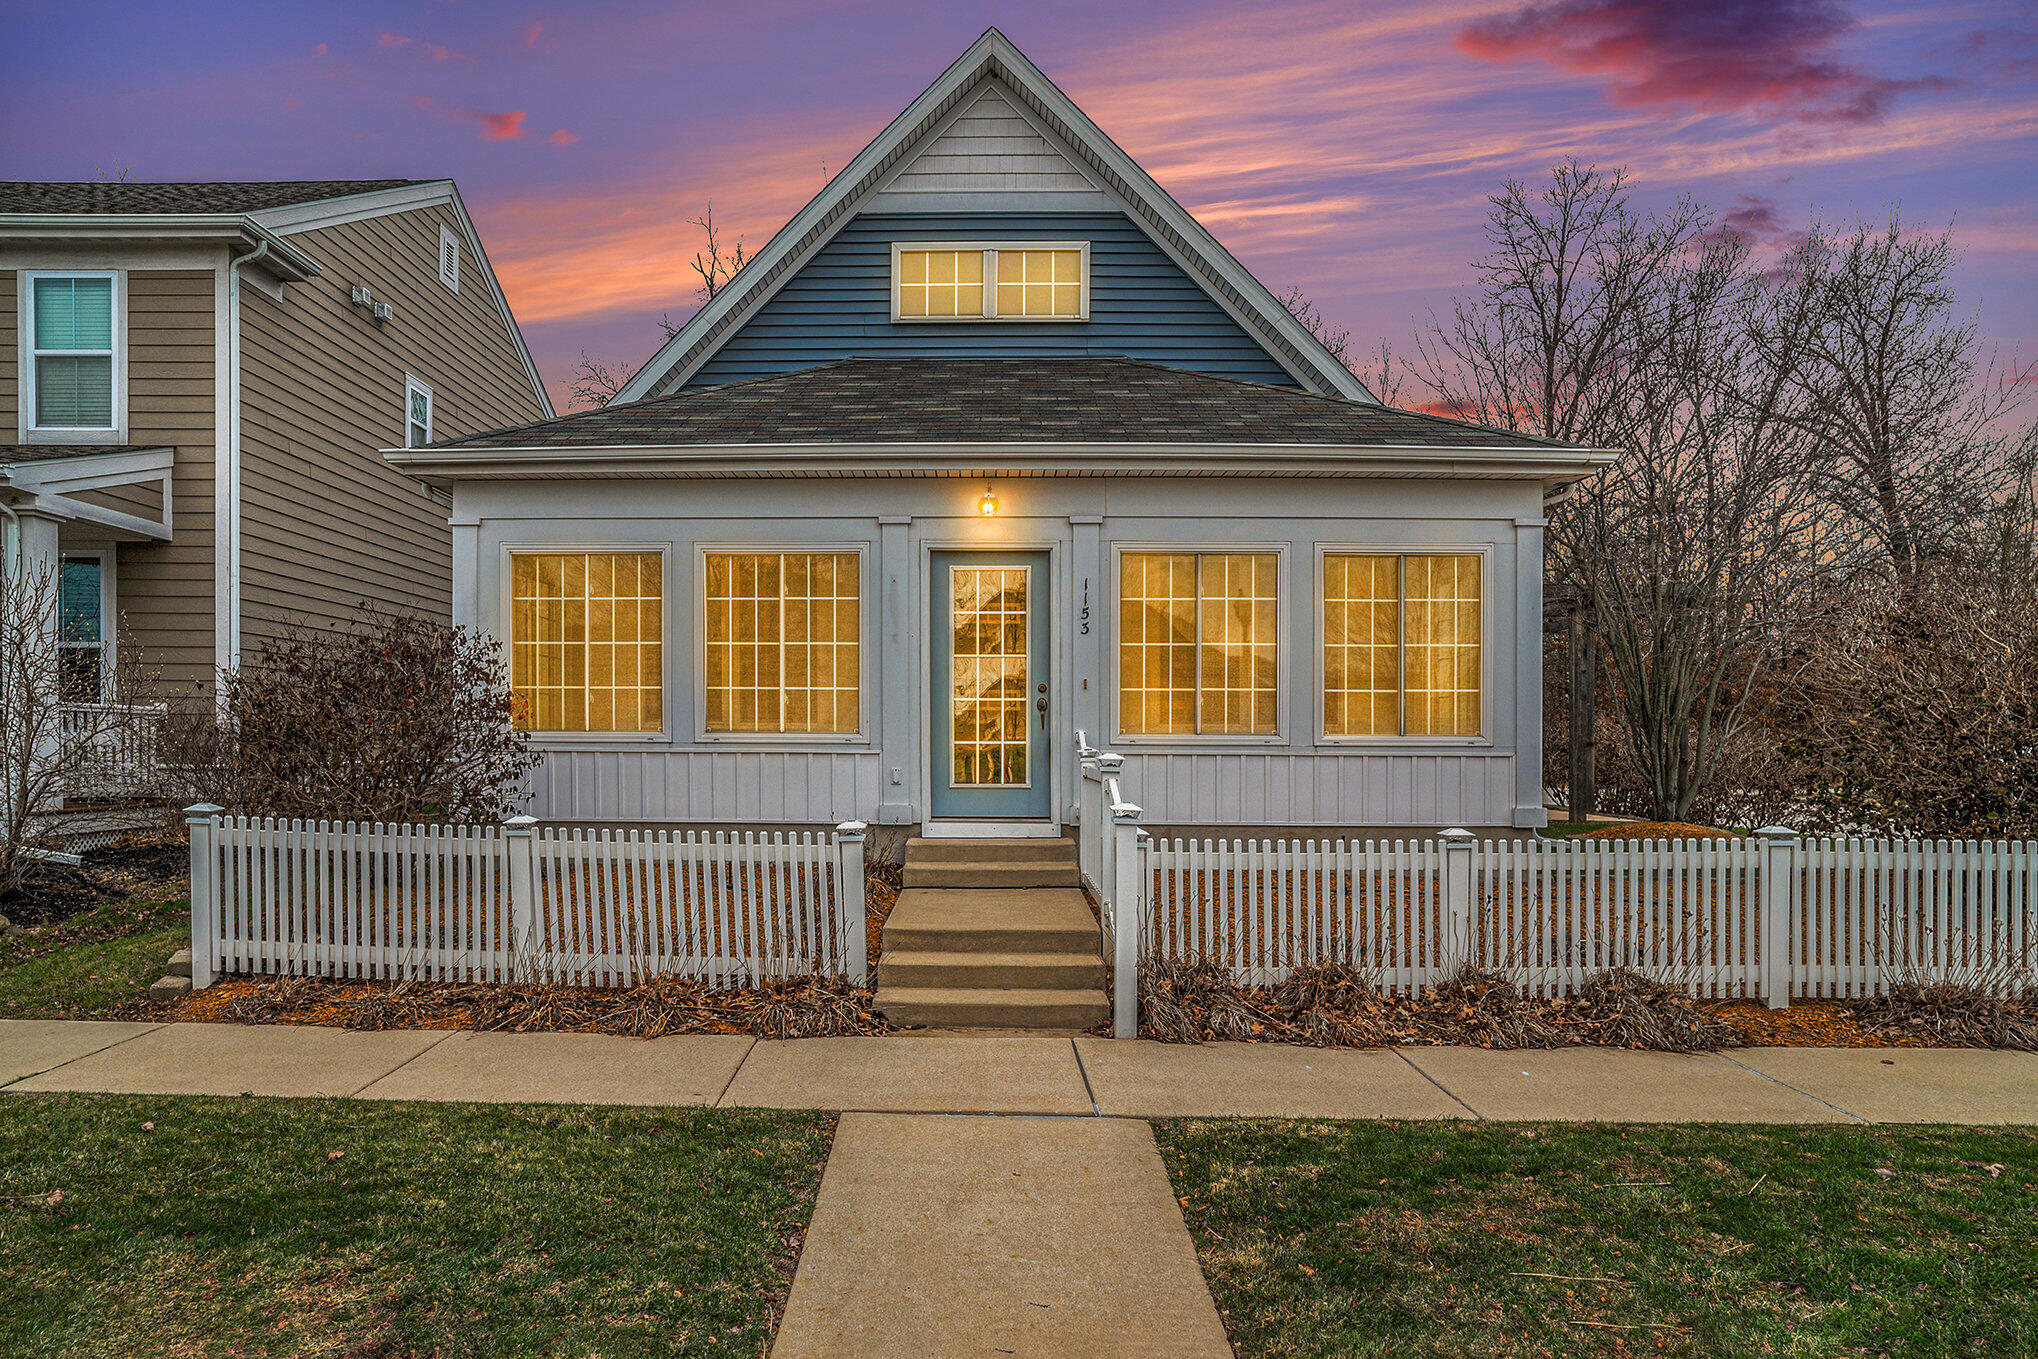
<point>1347,148</point>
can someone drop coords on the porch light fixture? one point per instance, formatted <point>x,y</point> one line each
<point>988,506</point>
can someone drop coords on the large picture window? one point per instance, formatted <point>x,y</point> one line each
<point>1401,644</point>
<point>1198,643</point>
<point>784,636</point>
<point>72,352</point>
<point>587,641</point>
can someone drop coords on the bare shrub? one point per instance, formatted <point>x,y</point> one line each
<point>1621,1008</point>
<point>1968,1014</point>
<point>1486,1009</point>
<point>394,718</point>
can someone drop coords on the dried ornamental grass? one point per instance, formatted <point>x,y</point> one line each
<point>1964,1015</point>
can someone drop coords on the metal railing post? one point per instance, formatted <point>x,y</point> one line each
<point>522,884</point>
<point>1781,847</point>
<point>203,819</point>
<point>849,845</point>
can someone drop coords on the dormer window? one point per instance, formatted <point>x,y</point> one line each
<point>991,281</point>
<point>72,376</point>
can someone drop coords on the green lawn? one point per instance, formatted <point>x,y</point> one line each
<point>1428,1239</point>
<point>366,1230</point>
<point>92,962</point>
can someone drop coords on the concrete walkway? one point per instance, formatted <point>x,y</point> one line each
<point>981,1236</point>
<point>997,1074</point>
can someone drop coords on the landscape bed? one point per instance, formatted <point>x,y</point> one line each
<point>307,1227</point>
<point>1358,1239</point>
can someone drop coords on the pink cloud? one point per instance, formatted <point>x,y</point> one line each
<point>502,127</point>
<point>392,40</point>
<point>1774,58</point>
<point>531,33</point>
<point>562,138</point>
<point>495,127</point>
<point>319,50</point>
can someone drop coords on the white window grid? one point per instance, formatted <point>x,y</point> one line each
<point>587,640</point>
<point>1373,604</point>
<point>990,281</point>
<point>988,713</point>
<point>33,352</point>
<point>784,642</point>
<point>1199,641</point>
<point>417,413</point>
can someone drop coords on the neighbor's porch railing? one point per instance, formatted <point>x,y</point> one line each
<point>121,754</point>
<point>522,902</point>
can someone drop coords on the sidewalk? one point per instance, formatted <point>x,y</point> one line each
<point>997,1074</point>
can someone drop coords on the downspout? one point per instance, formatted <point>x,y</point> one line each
<point>227,460</point>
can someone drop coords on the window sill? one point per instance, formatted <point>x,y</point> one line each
<point>111,435</point>
<point>780,741</point>
<point>1406,743</point>
<point>1161,744</point>
<point>569,740</point>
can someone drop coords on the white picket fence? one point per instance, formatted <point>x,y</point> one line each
<point>522,902</point>
<point>1771,917</point>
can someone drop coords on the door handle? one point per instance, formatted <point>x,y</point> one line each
<point>1041,704</point>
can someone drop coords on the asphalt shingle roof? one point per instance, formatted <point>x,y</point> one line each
<point>119,196</point>
<point>1041,400</point>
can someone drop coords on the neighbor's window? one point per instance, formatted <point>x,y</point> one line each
<point>81,665</point>
<point>783,634</point>
<point>586,641</point>
<point>987,283</point>
<point>1401,644</point>
<point>417,413</point>
<point>1198,636</point>
<point>449,258</point>
<point>71,351</point>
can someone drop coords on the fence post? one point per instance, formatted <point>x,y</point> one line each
<point>523,893</point>
<point>1127,910</point>
<point>1089,811</point>
<point>1781,847</point>
<point>849,837</point>
<point>1455,949</point>
<point>203,819</point>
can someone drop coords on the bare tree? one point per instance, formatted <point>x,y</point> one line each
<point>1704,552</point>
<point>63,732</point>
<point>596,382</point>
<point>1904,411</point>
<point>714,269</point>
<point>1559,327</point>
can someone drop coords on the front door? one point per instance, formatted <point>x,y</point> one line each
<point>989,630</point>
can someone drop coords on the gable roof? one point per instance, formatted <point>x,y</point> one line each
<point>935,417</point>
<point>120,196</point>
<point>992,57</point>
<point>252,212</point>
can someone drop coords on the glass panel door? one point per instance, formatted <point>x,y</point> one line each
<point>990,711</point>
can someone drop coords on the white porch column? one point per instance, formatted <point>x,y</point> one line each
<point>1086,622</point>
<point>899,736</point>
<point>1528,673</point>
<point>466,570</point>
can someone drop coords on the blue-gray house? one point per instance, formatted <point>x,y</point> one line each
<point>992,445</point>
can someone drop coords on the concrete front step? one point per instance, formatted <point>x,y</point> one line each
<point>921,850</point>
<point>981,1008</point>
<point>1036,920</point>
<point>992,873</point>
<point>992,971</point>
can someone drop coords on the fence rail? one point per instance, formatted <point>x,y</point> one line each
<point>522,902</point>
<point>1771,917</point>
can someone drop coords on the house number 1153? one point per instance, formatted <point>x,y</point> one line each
<point>1086,606</point>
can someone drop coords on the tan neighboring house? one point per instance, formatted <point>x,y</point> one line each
<point>198,378</point>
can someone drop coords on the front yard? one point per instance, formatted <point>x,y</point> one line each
<point>173,1226</point>
<point>1532,1240</point>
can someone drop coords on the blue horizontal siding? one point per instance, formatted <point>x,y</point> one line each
<point>839,306</point>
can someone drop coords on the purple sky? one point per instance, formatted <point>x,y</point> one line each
<point>1344,147</point>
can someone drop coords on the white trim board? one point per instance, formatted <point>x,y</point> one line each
<point>993,57</point>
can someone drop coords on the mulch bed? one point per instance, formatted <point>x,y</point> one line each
<point>133,868</point>
<point>801,1007</point>
<point>1655,830</point>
